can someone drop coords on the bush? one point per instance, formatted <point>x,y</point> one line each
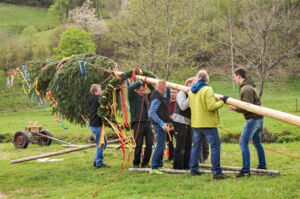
<point>74,41</point>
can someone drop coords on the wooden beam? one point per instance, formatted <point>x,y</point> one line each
<point>239,169</point>
<point>278,115</point>
<point>177,171</point>
<point>80,148</point>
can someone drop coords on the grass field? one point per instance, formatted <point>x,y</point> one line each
<point>16,18</point>
<point>75,177</point>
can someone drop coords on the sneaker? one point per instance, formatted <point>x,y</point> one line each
<point>218,176</point>
<point>195,173</point>
<point>135,166</point>
<point>94,164</point>
<point>156,172</point>
<point>103,166</point>
<point>243,174</point>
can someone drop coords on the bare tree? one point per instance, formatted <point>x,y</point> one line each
<point>8,51</point>
<point>266,37</point>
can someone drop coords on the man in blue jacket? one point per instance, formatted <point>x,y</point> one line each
<point>159,113</point>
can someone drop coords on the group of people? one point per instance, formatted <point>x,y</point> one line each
<point>191,117</point>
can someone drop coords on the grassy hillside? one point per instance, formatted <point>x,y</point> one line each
<point>16,18</point>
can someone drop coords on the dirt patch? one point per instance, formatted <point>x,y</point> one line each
<point>3,196</point>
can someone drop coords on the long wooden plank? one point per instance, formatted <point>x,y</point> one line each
<point>60,152</point>
<point>177,171</point>
<point>278,115</point>
<point>239,169</point>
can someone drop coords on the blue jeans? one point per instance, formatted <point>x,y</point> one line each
<point>160,147</point>
<point>99,151</point>
<point>213,139</point>
<point>252,130</point>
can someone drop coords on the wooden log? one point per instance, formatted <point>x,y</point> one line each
<point>177,171</point>
<point>60,152</point>
<point>239,169</point>
<point>278,115</point>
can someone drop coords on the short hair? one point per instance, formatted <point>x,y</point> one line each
<point>161,83</point>
<point>190,80</point>
<point>94,88</point>
<point>203,75</point>
<point>241,72</point>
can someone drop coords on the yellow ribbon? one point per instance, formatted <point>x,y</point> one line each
<point>102,136</point>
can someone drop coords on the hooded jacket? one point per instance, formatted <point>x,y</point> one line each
<point>204,107</point>
<point>249,94</point>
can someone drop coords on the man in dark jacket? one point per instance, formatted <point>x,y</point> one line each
<point>139,105</point>
<point>95,124</point>
<point>159,113</point>
<point>254,125</point>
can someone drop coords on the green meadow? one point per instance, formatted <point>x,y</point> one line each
<point>75,177</point>
<point>16,18</point>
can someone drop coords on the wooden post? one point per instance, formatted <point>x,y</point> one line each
<point>278,115</point>
<point>239,169</point>
<point>177,171</point>
<point>60,152</point>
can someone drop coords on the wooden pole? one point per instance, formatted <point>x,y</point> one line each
<point>278,115</point>
<point>60,152</point>
<point>177,171</point>
<point>239,169</point>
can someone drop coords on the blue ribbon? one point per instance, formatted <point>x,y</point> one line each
<point>26,73</point>
<point>82,66</point>
<point>61,122</point>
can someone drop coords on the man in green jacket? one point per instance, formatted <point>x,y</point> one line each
<point>254,125</point>
<point>204,122</point>
<point>140,122</point>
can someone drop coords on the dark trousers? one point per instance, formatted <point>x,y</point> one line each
<point>145,130</point>
<point>183,147</point>
<point>170,145</point>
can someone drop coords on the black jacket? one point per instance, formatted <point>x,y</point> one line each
<point>95,120</point>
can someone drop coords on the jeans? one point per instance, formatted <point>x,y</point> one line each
<point>145,130</point>
<point>160,147</point>
<point>252,130</point>
<point>213,139</point>
<point>99,151</point>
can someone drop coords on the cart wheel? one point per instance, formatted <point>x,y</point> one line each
<point>44,141</point>
<point>21,140</point>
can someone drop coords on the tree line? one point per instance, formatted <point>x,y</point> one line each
<point>165,36</point>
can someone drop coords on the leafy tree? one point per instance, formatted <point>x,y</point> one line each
<point>74,41</point>
<point>61,8</point>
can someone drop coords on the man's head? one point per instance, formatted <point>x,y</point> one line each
<point>173,94</point>
<point>190,81</point>
<point>95,89</point>
<point>140,90</point>
<point>161,86</point>
<point>203,76</point>
<point>240,75</point>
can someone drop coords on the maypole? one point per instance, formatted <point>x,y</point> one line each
<point>268,112</point>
